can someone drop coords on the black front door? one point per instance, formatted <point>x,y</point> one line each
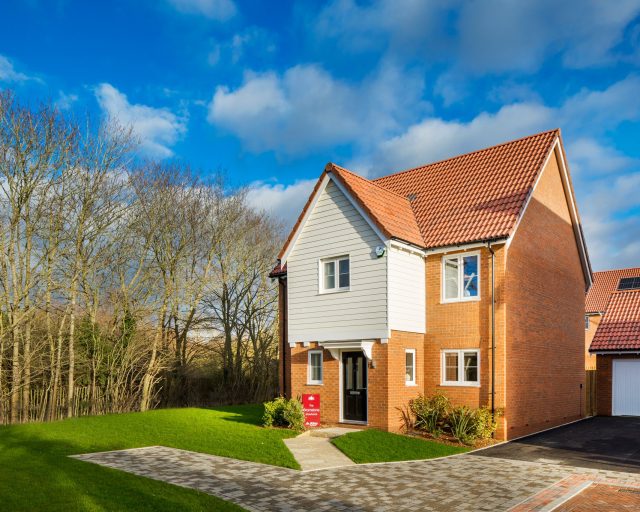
<point>354,386</point>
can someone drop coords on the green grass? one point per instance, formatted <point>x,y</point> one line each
<point>36,474</point>
<point>377,446</point>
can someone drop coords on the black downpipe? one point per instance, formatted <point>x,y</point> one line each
<point>283,313</point>
<point>493,331</point>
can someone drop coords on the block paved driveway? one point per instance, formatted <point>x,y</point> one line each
<point>460,483</point>
<point>611,443</point>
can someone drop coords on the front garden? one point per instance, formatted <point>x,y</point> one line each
<point>36,473</point>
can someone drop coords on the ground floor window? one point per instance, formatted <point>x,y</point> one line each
<point>314,375</point>
<point>461,367</point>
<point>410,367</point>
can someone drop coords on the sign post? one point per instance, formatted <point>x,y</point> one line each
<point>311,409</point>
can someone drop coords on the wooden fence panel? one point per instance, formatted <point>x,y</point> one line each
<point>591,393</point>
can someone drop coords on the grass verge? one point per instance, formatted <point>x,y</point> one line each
<point>37,474</point>
<point>378,446</point>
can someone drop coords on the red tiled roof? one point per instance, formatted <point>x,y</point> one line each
<point>279,270</point>
<point>604,284</point>
<point>390,211</point>
<point>473,197</point>
<point>619,329</point>
<point>469,198</point>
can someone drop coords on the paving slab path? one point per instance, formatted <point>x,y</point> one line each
<point>459,483</point>
<point>313,449</point>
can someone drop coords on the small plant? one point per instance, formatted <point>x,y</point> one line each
<point>462,422</point>
<point>485,422</point>
<point>281,412</point>
<point>407,418</point>
<point>430,413</point>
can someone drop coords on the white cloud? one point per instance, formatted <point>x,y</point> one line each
<point>584,115</point>
<point>158,128</point>
<point>8,73</point>
<point>285,202</point>
<point>252,43</point>
<point>493,36</point>
<point>66,101</point>
<point>220,10</point>
<point>306,108</point>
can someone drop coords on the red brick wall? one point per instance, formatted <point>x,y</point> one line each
<point>386,388</point>
<point>604,378</point>
<point>545,290</point>
<point>460,325</point>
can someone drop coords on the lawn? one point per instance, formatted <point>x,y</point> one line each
<point>377,446</point>
<point>37,475</point>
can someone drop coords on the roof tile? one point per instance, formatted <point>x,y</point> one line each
<point>604,284</point>
<point>619,329</point>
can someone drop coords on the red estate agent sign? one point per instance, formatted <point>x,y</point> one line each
<point>311,408</point>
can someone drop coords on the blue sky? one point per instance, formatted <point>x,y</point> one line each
<point>268,92</point>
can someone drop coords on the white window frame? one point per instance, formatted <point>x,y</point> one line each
<point>460,381</point>
<point>587,322</point>
<point>461,297</point>
<point>310,381</point>
<point>411,351</point>
<point>336,260</point>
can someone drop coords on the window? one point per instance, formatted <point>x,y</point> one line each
<point>315,367</point>
<point>410,367</point>
<point>586,322</point>
<point>629,283</point>
<point>460,277</point>
<point>461,367</point>
<point>334,274</point>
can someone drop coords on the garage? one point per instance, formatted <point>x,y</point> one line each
<point>626,387</point>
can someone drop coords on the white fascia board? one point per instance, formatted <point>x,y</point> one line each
<point>355,204</point>
<point>398,244</point>
<point>556,151</point>
<point>337,336</point>
<point>312,206</point>
<point>465,247</point>
<point>323,185</point>
<point>614,353</point>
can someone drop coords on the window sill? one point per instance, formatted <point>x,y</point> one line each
<point>455,301</point>
<point>460,384</point>
<point>411,384</point>
<point>314,384</point>
<point>329,292</point>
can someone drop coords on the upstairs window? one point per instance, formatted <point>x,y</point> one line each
<point>461,277</point>
<point>586,322</point>
<point>334,274</point>
<point>461,367</point>
<point>629,283</point>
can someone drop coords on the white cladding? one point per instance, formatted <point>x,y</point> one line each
<point>336,228</point>
<point>407,298</point>
<point>385,293</point>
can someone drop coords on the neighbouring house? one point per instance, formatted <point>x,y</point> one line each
<point>613,305</point>
<point>604,284</point>
<point>464,277</point>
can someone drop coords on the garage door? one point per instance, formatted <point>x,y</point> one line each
<point>626,387</point>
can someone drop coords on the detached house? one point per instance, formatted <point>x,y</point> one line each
<point>612,324</point>
<point>464,277</point>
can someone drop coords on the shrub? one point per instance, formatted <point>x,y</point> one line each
<point>462,422</point>
<point>430,413</point>
<point>485,423</point>
<point>283,413</point>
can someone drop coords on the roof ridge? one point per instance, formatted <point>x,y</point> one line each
<point>372,182</point>
<point>615,270</point>
<point>482,150</point>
